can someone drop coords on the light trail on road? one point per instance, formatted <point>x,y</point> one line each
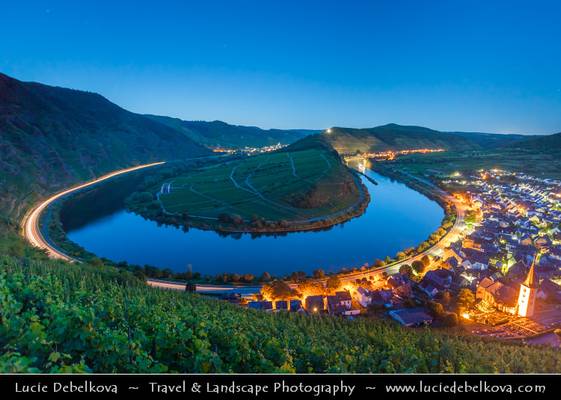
<point>32,232</point>
<point>30,226</point>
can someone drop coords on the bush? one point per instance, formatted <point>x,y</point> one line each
<point>450,319</point>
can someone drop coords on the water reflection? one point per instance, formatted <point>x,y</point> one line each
<point>397,218</point>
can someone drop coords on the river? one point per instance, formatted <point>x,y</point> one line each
<point>396,218</point>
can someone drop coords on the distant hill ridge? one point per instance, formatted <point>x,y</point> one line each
<point>51,137</point>
<point>400,137</point>
<point>222,134</point>
<point>540,143</point>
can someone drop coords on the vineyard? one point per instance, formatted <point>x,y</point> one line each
<point>289,190</point>
<point>57,317</point>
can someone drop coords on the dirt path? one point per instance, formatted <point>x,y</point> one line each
<point>294,174</point>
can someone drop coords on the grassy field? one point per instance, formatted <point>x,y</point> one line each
<point>291,186</point>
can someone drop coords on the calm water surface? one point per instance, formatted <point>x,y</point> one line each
<point>397,217</point>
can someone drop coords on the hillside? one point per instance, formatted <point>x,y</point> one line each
<point>51,137</point>
<point>549,143</point>
<point>72,318</point>
<point>393,137</point>
<point>303,186</point>
<point>400,137</point>
<point>221,134</point>
<point>491,140</point>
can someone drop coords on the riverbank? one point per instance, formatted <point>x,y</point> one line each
<point>363,236</point>
<point>279,192</point>
<point>454,218</point>
<point>263,227</point>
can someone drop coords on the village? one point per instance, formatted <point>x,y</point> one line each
<point>247,150</point>
<point>500,279</point>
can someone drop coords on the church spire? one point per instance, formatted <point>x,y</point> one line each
<point>532,278</point>
<point>528,291</point>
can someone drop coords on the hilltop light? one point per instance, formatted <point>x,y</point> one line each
<point>328,130</point>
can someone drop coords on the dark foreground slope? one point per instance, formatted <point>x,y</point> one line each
<point>60,318</point>
<point>221,134</point>
<point>51,136</point>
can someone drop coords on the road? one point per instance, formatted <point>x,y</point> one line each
<point>30,224</point>
<point>205,288</point>
<point>31,232</point>
<point>457,231</point>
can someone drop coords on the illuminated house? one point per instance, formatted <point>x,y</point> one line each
<point>341,304</point>
<point>497,295</point>
<point>315,304</point>
<point>411,316</point>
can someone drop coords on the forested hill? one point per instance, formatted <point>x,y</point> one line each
<point>550,143</point>
<point>394,137</point>
<point>221,134</point>
<point>401,137</point>
<point>51,136</point>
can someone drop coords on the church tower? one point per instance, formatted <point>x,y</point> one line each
<point>528,291</point>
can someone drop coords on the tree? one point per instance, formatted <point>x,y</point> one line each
<point>223,217</point>
<point>446,297</point>
<point>450,319</point>
<point>265,277</point>
<point>319,273</point>
<point>466,298</point>
<point>96,262</point>
<point>256,221</point>
<point>189,272</point>
<point>418,267</point>
<point>333,283</point>
<point>236,219</point>
<point>435,308</point>
<point>311,288</point>
<point>277,290</point>
<point>298,276</point>
<point>406,270</point>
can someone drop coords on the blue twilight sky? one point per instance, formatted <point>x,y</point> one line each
<point>452,65</point>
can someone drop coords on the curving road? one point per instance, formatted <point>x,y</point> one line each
<point>30,224</point>
<point>32,232</point>
<point>457,231</point>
